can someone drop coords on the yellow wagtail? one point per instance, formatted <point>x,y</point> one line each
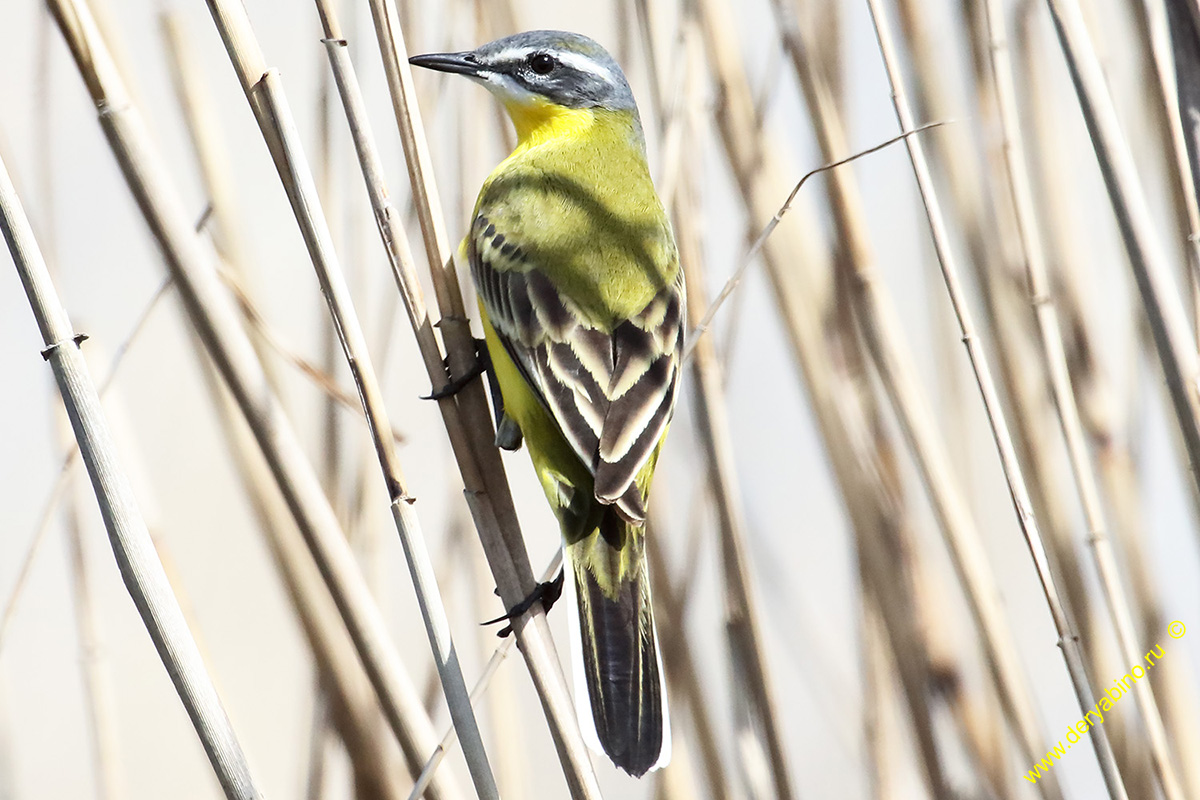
<point>582,302</point>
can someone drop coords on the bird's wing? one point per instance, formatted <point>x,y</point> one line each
<point>610,391</point>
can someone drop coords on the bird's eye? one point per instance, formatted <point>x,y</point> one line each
<point>542,64</point>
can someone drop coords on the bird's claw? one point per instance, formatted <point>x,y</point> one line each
<point>547,593</point>
<point>456,385</point>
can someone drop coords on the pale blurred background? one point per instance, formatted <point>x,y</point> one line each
<point>802,553</point>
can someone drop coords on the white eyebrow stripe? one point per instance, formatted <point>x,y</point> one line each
<point>575,60</point>
<point>585,64</point>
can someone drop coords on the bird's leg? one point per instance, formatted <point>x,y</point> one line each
<point>508,433</point>
<point>547,593</point>
<point>482,364</point>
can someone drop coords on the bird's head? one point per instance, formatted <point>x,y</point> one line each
<point>542,77</point>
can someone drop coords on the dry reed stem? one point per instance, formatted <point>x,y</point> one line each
<point>506,718</point>
<point>487,472</point>
<point>1092,391</point>
<point>972,565</point>
<point>472,426</point>
<point>1168,323</point>
<point>97,677</point>
<point>873,698</point>
<point>216,170</point>
<point>1019,351</point>
<point>1055,363</point>
<point>264,91</point>
<point>353,709</point>
<point>1072,653</point>
<point>878,319</point>
<point>1157,32</point>
<point>756,165</point>
<point>61,480</point>
<point>1164,43</point>
<point>466,415</point>
<point>887,561</point>
<point>975,714</point>
<point>742,617</point>
<point>680,662</point>
<point>853,464</point>
<point>346,704</point>
<point>477,691</point>
<point>993,262</point>
<point>1100,410</point>
<point>989,231</point>
<point>329,190</point>
<point>140,568</point>
<point>216,321</point>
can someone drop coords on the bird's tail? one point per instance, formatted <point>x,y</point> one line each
<point>619,693</point>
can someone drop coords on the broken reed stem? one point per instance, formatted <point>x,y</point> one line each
<point>1055,362</point>
<point>1068,642</point>
<point>264,91</point>
<point>466,414</point>
<point>1168,322</point>
<point>215,320</point>
<point>140,568</point>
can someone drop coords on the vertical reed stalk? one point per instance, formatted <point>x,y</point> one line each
<point>954,519</point>
<point>465,415</point>
<point>350,702</point>
<point>679,660</point>
<point>140,568</point>
<point>1055,363</point>
<point>1158,45</point>
<point>264,92</point>
<point>742,617</point>
<point>217,324</point>
<point>97,676</point>
<point>885,342</point>
<point>1068,642</point>
<point>1168,322</point>
<point>1100,408</point>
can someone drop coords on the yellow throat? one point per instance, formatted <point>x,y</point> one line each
<point>540,121</point>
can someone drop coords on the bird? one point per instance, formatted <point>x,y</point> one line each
<point>582,302</point>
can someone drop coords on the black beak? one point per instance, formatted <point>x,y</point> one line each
<point>458,63</point>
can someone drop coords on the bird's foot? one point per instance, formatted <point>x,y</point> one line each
<point>546,593</point>
<point>457,384</point>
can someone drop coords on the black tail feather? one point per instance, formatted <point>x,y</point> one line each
<point>620,657</point>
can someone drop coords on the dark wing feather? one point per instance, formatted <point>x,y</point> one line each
<point>610,391</point>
